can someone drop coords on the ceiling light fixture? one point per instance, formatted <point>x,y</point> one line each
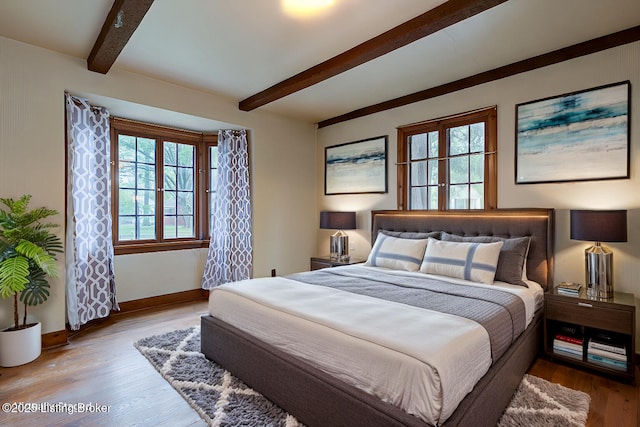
<point>305,8</point>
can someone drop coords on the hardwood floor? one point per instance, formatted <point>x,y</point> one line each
<point>613,403</point>
<point>101,366</point>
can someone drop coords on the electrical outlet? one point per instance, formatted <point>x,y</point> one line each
<point>352,246</point>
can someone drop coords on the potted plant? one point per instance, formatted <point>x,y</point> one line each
<point>27,257</point>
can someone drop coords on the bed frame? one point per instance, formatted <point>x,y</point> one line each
<point>318,399</point>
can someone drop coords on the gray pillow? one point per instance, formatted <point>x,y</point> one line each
<point>512,259</point>
<point>412,234</point>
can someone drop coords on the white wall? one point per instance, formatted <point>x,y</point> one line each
<point>32,160</point>
<point>614,65</point>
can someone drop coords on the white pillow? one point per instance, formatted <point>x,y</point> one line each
<point>397,253</point>
<point>464,260</point>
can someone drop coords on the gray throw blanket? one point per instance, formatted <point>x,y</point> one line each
<point>501,313</point>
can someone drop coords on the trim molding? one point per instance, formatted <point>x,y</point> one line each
<point>174,298</point>
<point>59,338</point>
<point>620,38</point>
<point>55,339</point>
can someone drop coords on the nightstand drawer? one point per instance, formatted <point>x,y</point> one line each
<point>317,265</point>
<point>591,314</point>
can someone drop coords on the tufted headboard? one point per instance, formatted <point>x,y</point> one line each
<point>534,222</point>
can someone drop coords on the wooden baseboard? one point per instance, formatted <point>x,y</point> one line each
<point>174,298</point>
<point>58,338</point>
<point>55,339</point>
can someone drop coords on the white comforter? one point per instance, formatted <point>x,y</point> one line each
<point>422,361</point>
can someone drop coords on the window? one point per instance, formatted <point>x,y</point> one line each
<point>449,163</point>
<point>212,150</point>
<point>163,182</point>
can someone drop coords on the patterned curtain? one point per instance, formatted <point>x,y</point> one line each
<point>230,249</point>
<point>91,288</point>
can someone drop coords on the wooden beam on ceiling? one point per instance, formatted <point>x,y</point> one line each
<point>121,22</point>
<point>619,38</point>
<point>443,16</point>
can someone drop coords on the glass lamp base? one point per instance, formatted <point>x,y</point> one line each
<point>339,245</point>
<point>599,272</point>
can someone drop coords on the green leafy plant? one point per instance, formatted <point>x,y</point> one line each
<point>27,254</point>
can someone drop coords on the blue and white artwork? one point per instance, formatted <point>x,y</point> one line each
<point>574,137</point>
<point>356,167</point>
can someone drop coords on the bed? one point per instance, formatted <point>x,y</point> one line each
<point>301,373</point>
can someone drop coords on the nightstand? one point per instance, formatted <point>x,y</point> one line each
<point>590,319</point>
<point>325,262</point>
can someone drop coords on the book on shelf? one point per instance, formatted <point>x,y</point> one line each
<point>570,339</point>
<point>606,341</point>
<point>608,354</point>
<point>618,349</point>
<point>567,345</point>
<point>607,362</point>
<point>567,353</point>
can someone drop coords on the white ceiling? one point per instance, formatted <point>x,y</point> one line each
<point>237,48</point>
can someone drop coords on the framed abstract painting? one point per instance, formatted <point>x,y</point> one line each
<point>356,167</point>
<point>579,136</point>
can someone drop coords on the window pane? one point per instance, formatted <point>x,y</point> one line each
<point>145,202</point>
<point>170,154</point>
<point>433,172</point>
<point>185,226</point>
<point>418,198</point>
<point>213,156</point>
<point>213,184</point>
<point>126,228</point>
<point>433,144</point>
<point>459,197</point>
<point>185,178</point>
<point>146,176</point>
<point>170,178</point>
<point>170,227</point>
<point>433,197</point>
<point>127,175</point>
<point>477,137</point>
<point>127,202</point>
<point>418,145</point>
<point>418,173</point>
<point>170,203</point>
<point>459,170</point>
<point>477,168</point>
<point>458,140</point>
<point>185,203</point>
<point>146,227</point>
<point>477,196</point>
<point>213,181</point>
<point>146,151</point>
<point>127,148</point>
<point>186,155</point>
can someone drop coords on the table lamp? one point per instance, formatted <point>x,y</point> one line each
<point>599,226</point>
<point>339,243</point>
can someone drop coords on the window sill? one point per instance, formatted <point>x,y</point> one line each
<point>139,248</point>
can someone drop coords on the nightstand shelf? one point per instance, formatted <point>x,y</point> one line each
<point>589,319</point>
<point>325,262</point>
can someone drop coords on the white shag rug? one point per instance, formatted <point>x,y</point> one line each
<point>223,400</point>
